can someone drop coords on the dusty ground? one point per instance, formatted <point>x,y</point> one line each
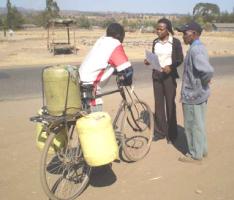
<point>159,176</point>
<point>27,48</point>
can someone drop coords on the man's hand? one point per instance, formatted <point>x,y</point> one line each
<point>146,62</point>
<point>167,69</point>
<point>126,76</point>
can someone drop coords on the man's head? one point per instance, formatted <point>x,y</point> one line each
<point>116,31</point>
<point>191,32</point>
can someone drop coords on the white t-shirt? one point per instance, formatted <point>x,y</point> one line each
<point>164,51</point>
<point>98,65</point>
<point>106,54</point>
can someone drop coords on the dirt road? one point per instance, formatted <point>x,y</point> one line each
<point>159,176</point>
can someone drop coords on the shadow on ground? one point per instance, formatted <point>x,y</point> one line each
<point>102,176</point>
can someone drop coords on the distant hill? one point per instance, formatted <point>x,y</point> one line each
<point>3,10</point>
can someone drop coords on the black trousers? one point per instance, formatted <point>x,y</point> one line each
<point>165,107</point>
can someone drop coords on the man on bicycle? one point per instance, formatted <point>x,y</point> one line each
<point>106,57</point>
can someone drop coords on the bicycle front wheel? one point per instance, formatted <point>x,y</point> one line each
<point>137,130</point>
<point>63,171</point>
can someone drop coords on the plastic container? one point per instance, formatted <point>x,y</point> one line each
<point>97,139</point>
<point>62,90</point>
<point>59,141</point>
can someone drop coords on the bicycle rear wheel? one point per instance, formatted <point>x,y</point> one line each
<point>63,171</point>
<point>137,130</point>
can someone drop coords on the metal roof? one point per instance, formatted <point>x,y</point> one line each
<point>62,21</point>
<point>224,25</point>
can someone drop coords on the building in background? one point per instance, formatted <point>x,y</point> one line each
<point>223,27</point>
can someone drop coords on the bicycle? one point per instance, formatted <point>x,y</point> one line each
<point>64,173</point>
<point>133,123</point>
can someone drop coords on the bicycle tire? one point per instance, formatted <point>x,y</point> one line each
<point>60,176</point>
<point>137,130</point>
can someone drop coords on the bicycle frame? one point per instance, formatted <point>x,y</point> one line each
<point>122,106</point>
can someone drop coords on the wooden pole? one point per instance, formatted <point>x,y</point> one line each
<point>68,34</point>
<point>48,36</point>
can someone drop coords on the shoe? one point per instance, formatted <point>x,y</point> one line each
<point>189,159</point>
<point>158,137</point>
<point>169,142</point>
<point>205,155</point>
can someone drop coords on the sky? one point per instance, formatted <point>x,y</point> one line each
<point>133,6</point>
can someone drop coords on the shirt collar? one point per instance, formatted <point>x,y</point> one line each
<point>195,42</point>
<point>170,40</point>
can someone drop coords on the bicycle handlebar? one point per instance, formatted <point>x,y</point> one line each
<point>120,89</point>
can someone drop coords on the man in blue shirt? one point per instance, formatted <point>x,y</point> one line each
<point>195,92</point>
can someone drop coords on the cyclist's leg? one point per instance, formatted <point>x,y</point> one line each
<point>96,108</point>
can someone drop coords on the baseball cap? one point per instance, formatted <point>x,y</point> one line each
<point>193,26</point>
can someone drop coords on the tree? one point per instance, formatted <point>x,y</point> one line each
<point>184,19</point>
<point>18,19</point>
<point>107,22</point>
<point>14,18</point>
<point>125,22</point>
<point>226,17</point>
<point>51,11</point>
<point>83,22</point>
<point>208,11</point>
<point>9,14</point>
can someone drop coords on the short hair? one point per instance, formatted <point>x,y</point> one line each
<point>168,24</point>
<point>116,31</point>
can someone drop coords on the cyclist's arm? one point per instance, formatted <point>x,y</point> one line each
<point>118,59</point>
<point>122,66</point>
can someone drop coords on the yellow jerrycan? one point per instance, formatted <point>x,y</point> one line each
<point>59,141</point>
<point>97,139</point>
<point>61,89</point>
